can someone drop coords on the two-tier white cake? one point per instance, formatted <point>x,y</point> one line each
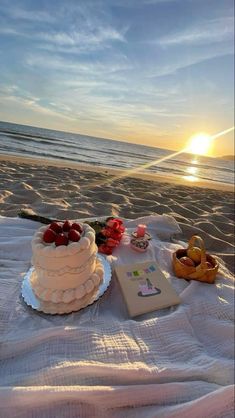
<point>66,267</point>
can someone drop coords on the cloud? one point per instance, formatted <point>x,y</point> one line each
<point>212,31</point>
<point>96,36</point>
<point>17,13</point>
<point>16,96</point>
<point>83,42</point>
<point>95,67</point>
<point>90,108</point>
<point>69,28</point>
<point>77,42</point>
<point>7,30</point>
<point>67,42</point>
<point>138,4</point>
<point>186,61</point>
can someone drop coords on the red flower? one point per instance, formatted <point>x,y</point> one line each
<point>105,249</point>
<point>119,221</point>
<point>113,232</point>
<point>112,223</point>
<point>106,231</point>
<point>116,235</point>
<point>112,242</point>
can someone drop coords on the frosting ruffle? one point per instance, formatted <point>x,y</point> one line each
<point>68,295</point>
<point>65,269</point>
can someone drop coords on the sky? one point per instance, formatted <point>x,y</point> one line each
<point>153,72</point>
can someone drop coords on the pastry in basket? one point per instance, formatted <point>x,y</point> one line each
<point>194,263</point>
<point>66,267</point>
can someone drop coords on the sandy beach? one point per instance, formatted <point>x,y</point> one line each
<point>74,192</point>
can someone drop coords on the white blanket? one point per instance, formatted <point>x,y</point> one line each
<point>176,362</point>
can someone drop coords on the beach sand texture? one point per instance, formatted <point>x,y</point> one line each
<point>68,193</point>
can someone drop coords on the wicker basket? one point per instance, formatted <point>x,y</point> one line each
<point>201,272</point>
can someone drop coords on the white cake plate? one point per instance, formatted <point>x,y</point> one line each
<point>61,308</point>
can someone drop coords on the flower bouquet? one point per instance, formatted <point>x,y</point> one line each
<point>108,234</point>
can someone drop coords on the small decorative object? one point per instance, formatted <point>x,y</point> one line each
<point>108,234</point>
<point>139,244</point>
<point>141,233</point>
<point>194,263</point>
<point>140,239</point>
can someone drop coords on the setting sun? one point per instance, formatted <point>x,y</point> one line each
<point>200,144</point>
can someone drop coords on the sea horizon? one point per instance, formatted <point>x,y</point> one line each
<point>105,138</point>
<point>36,142</point>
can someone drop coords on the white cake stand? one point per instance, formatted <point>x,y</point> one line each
<point>62,308</point>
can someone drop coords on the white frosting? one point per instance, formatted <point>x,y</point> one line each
<point>66,296</point>
<point>65,273</point>
<point>67,277</point>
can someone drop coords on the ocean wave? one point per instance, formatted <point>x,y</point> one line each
<point>56,145</point>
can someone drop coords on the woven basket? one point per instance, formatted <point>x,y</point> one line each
<point>201,272</point>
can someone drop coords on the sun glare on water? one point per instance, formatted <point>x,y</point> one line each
<point>200,144</point>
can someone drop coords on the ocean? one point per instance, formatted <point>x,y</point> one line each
<point>29,141</point>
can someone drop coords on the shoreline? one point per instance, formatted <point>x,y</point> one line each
<point>119,173</point>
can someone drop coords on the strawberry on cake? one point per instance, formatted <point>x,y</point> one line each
<point>66,267</point>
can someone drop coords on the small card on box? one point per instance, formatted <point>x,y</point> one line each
<point>145,288</point>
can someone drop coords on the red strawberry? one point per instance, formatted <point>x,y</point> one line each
<point>49,236</point>
<point>61,239</point>
<point>77,227</point>
<point>74,235</point>
<point>55,227</point>
<point>66,226</point>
